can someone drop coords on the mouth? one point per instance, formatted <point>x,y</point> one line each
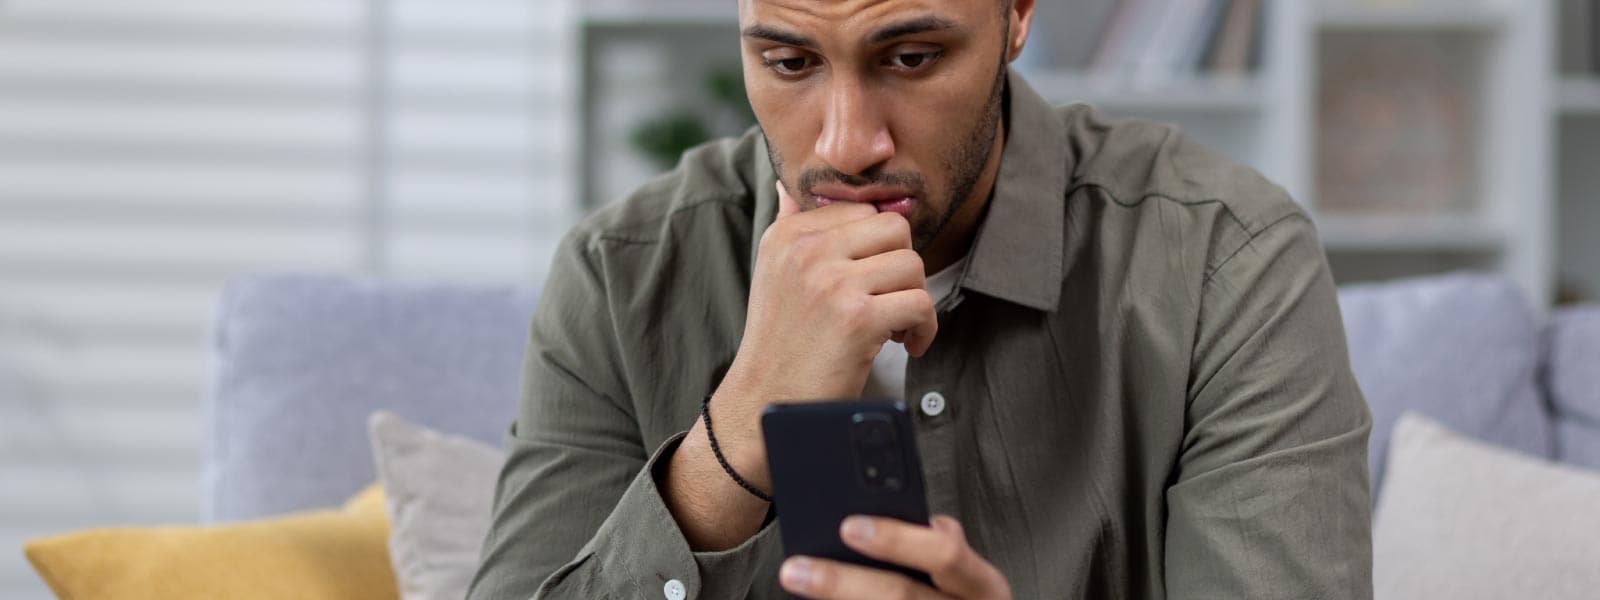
<point>901,206</point>
<point>884,199</point>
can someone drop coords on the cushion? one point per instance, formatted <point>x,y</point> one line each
<point>1460,349</point>
<point>302,360</point>
<point>440,493</point>
<point>1461,519</point>
<point>1574,384</point>
<point>323,554</point>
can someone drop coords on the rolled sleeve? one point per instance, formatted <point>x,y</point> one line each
<point>577,512</point>
<point>639,549</point>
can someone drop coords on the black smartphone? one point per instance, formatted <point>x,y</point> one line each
<point>830,460</point>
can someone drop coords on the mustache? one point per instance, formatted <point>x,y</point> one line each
<point>815,177</point>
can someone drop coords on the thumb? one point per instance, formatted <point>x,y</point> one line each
<point>786,205</point>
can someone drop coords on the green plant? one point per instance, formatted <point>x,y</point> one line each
<point>664,137</point>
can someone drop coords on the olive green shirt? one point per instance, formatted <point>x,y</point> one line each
<point>1147,391</point>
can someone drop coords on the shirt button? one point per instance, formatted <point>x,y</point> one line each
<point>932,404</point>
<point>674,590</point>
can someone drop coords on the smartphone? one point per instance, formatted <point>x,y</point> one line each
<point>830,460</point>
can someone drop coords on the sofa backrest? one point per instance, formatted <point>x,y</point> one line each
<point>1572,376</point>
<point>302,360</point>
<point>1463,350</point>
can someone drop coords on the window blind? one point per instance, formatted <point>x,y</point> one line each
<point>151,149</point>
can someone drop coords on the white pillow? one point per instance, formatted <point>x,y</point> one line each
<point>439,490</point>
<point>1462,519</point>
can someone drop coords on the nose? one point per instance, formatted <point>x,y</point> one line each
<point>855,136</point>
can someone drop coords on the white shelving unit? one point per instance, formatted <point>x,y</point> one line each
<point>1529,136</point>
<point>1577,95</point>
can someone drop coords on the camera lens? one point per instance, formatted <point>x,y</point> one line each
<point>877,452</point>
<point>875,434</point>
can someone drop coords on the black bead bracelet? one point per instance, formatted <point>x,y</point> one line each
<point>705,413</point>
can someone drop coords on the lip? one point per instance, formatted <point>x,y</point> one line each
<point>885,199</point>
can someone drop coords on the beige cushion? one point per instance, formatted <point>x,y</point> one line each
<point>1462,519</point>
<point>443,489</point>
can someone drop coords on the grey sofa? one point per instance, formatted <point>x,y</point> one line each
<point>300,361</point>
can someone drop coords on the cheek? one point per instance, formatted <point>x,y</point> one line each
<point>788,119</point>
<point>928,130</point>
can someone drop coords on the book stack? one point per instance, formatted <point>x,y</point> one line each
<point>1153,41</point>
<point>1580,37</point>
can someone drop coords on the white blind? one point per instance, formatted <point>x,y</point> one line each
<point>151,149</point>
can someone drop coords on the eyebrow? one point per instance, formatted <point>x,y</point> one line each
<point>764,32</point>
<point>914,26</point>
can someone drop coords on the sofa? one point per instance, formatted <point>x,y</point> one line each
<point>301,361</point>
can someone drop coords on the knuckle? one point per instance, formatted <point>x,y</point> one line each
<point>948,555</point>
<point>895,226</point>
<point>854,312</point>
<point>799,250</point>
<point>857,313</point>
<point>902,229</point>
<point>903,589</point>
<point>805,242</point>
<point>908,259</point>
<point>824,281</point>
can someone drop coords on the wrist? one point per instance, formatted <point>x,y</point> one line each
<point>734,423</point>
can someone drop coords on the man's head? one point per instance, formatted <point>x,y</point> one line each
<point>884,100</point>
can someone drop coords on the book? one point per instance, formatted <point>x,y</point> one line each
<point>1206,34</point>
<point>1594,37</point>
<point>1075,33</point>
<point>1166,55</point>
<point>1133,27</point>
<point>1234,44</point>
<point>1578,43</point>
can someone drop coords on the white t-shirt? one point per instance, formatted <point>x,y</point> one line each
<point>888,378</point>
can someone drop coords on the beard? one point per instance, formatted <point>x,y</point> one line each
<point>965,162</point>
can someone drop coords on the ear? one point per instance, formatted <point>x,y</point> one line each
<point>1021,16</point>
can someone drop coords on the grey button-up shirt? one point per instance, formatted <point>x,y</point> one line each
<point>1146,391</point>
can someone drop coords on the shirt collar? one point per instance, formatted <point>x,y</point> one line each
<point>1017,254</point>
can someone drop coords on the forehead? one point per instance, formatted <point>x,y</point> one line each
<point>854,16</point>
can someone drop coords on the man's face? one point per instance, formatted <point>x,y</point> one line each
<point>893,102</point>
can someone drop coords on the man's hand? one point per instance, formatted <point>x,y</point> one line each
<point>829,287</point>
<point>939,550</point>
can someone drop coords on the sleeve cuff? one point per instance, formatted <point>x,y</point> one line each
<point>641,550</point>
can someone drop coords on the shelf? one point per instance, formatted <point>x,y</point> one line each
<point>631,16</point>
<point>1408,233</point>
<point>1192,94</point>
<point>1426,16</point>
<point>1578,95</point>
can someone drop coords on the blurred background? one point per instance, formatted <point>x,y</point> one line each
<point>150,150</point>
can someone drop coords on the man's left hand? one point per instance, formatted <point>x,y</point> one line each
<point>940,550</point>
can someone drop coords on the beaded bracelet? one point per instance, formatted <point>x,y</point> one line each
<point>705,412</point>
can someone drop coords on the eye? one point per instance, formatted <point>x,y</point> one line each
<point>912,61</point>
<point>788,67</point>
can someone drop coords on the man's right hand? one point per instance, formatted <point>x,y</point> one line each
<point>830,286</point>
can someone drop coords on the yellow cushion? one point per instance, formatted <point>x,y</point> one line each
<point>324,554</point>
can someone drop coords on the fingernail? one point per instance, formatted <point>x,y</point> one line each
<point>796,573</point>
<point>858,528</point>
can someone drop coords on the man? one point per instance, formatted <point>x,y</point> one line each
<point>1124,352</point>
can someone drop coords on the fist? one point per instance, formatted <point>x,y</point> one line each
<point>830,286</point>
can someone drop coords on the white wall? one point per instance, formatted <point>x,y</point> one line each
<point>151,149</point>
